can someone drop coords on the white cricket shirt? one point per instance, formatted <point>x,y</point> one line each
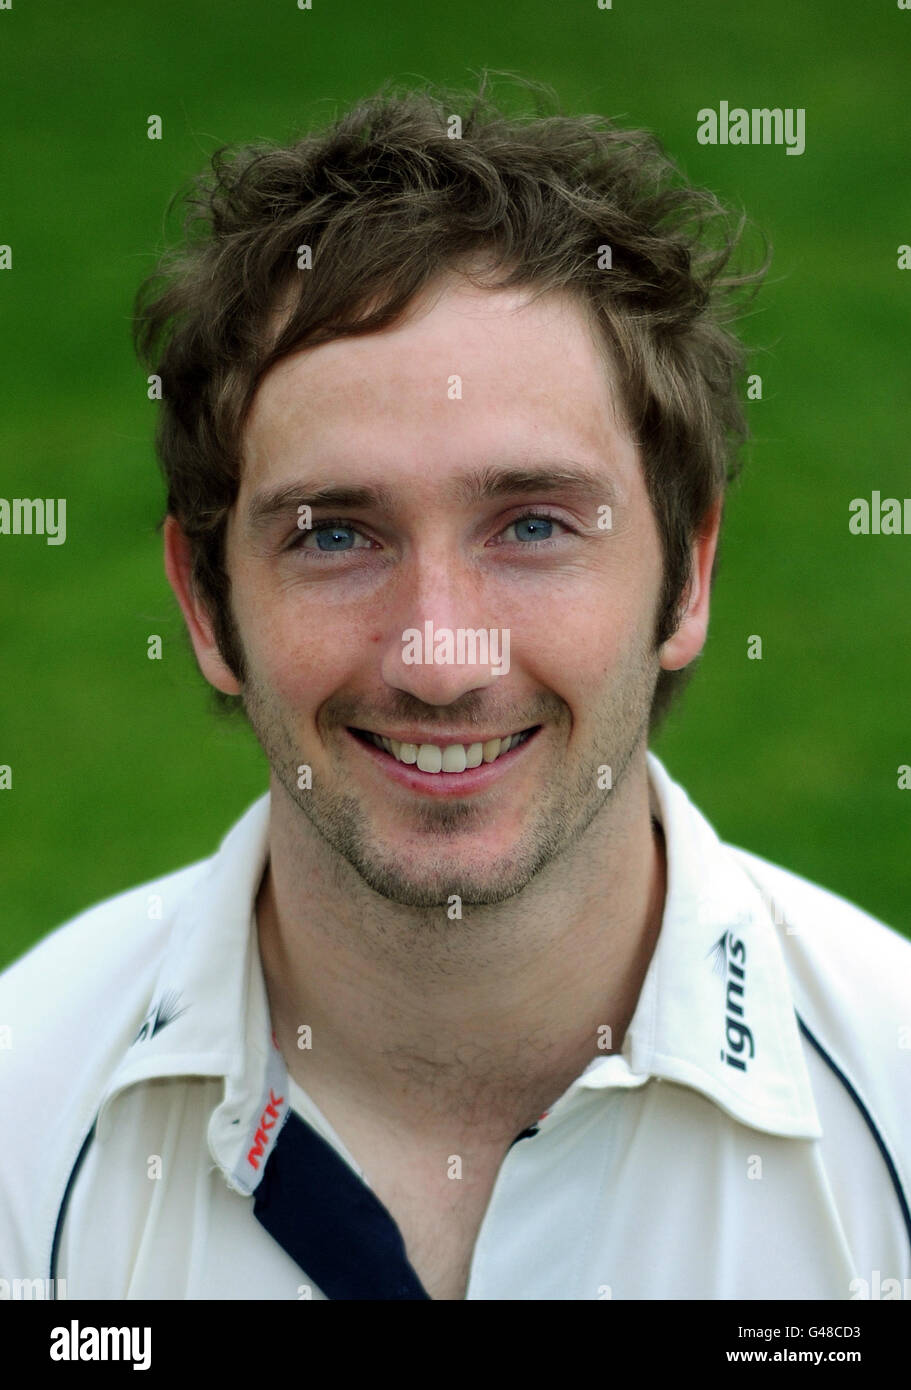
<point>752,1139</point>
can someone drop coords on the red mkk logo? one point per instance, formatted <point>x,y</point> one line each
<point>267,1121</point>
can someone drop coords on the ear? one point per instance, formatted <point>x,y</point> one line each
<point>178,564</point>
<point>689,639</point>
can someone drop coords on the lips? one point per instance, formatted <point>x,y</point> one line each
<point>446,757</point>
<point>445,786</point>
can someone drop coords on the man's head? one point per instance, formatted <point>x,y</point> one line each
<point>407,317</point>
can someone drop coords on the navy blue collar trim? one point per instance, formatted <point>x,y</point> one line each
<point>321,1213</point>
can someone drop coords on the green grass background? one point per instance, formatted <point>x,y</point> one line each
<point>120,770</point>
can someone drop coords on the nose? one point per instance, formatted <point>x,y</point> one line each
<point>440,644</point>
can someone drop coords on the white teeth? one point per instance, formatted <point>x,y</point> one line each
<point>455,757</point>
<point>474,755</point>
<point>430,758</point>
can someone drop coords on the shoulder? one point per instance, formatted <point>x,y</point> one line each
<point>95,952</point>
<point>861,964</point>
<point>850,979</point>
<point>73,1006</point>
<point>74,1000</point>
<point>68,1008</point>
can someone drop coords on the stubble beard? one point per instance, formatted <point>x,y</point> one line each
<point>570,801</point>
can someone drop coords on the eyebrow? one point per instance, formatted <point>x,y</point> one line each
<point>483,484</point>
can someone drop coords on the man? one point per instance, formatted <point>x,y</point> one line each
<point>473,1003</point>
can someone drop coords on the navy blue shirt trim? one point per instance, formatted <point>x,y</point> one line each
<point>318,1209</point>
<point>61,1215</point>
<point>871,1123</point>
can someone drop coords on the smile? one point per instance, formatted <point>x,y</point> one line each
<point>446,757</point>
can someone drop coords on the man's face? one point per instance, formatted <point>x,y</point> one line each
<point>473,386</point>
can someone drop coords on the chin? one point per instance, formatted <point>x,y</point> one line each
<point>436,891</point>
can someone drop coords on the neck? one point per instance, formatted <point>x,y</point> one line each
<point>419,1018</point>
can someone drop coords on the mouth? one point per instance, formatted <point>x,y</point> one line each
<point>447,765</point>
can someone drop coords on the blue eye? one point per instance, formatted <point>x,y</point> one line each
<point>540,528</point>
<point>335,537</point>
<point>332,538</point>
<point>339,537</point>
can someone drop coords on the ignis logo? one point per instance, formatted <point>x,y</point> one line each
<point>267,1121</point>
<point>730,956</point>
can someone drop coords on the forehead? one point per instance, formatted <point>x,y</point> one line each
<point>465,376</point>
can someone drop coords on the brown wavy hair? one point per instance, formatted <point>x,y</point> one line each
<point>387,200</point>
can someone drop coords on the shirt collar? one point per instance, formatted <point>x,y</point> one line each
<point>715,1012</point>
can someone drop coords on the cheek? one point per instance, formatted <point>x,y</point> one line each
<point>297,652</point>
<point>577,644</point>
<point>605,616</point>
<point>310,665</point>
